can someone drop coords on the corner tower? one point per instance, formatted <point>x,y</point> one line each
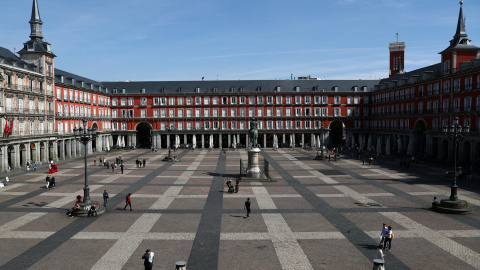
<point>460,48</point>
<point>37,51</point>
<point>397,57</point>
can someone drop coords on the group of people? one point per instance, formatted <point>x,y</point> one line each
<point>49,182</point>
<point>230,188</point>
<point>386,237</point>
<point>140,163</point>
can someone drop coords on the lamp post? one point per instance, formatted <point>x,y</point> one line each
<point>453,204</point>
<point>84,137</point>
<point>169,157</point>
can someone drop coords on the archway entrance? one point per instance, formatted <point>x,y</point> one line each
<point>144,135</point>
<point>337,133</point>
<point>420,137</point>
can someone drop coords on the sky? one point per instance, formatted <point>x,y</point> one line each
<point>173,40</point>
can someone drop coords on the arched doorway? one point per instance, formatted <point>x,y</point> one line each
<point>420,136</point>
<point>337,133</point>
<point>94,139</point>
<point>144,135</point>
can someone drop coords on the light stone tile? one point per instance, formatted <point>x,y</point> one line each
<point>19,222</point>
<point>25,235</point>
<point>244,236</point>
<point>318,235</point>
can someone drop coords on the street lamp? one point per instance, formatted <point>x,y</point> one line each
<point>84,137</point>
<point>169,157</point>
<point>453,204</point>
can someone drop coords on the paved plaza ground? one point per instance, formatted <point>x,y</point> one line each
<point>316,215</point>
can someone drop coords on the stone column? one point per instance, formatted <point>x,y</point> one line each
<point>62,149</point>
<point>4,158</point>
<point>248,141</point>
<point>303,140</point>
<point>16,156</point>
<point>229,140</point>
<point>98,143</point>
<point>283,139</point>
<point>185,139</point>
<point>134,139</point>
<point>265,140</point>
<point>68,153</point>
<point>220,140</point>
<point>27,155</point>
<point>203,140</point>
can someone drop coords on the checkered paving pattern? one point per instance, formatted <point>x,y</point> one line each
<point>315,215</point>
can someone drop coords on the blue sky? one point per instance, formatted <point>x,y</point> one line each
<point>238,40</point>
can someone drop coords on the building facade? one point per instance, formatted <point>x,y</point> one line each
<point>402,114</point>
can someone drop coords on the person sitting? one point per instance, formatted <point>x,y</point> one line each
<point>74,209</point>
<point>93,211</point>
<point>435,202</point>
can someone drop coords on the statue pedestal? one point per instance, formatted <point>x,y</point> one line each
<point>254,173</point>
<point>253,170</point>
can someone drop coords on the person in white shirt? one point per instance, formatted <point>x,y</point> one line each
<point>380,255</point>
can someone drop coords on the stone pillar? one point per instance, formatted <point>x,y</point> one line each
<point>203,140</point>
<point>248,141</point>
<point>185,139</point>
<point>16,156</point>
<point>4,158</point>
<point>283,139</point>
<point>68,153</point>
<point>62,149</point>
<point>74,147</point>
<point>265,140</point>
<point>229,140</point>
<point>303,140</point>
<point>134,139</point>
<point>253,170</point>
<point>220,140</point>
<point>98,143</point>
<point>26,155</point>
<point>89,147</point>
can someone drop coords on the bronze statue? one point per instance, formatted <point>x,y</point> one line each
<point>253,133</point>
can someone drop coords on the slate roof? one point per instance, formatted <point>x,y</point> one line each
<point>77,79</point>
<point>238,86</point>
<point>9,57</point>
<point>429,72</point>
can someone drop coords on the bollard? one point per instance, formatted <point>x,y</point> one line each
<point>180,265</point>
<point>378,264</point>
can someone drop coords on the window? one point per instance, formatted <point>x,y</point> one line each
<point>279,112</point>
<point>324,99</point>
<point>456,105</point>
<point>349,100</point>
<point>251,112</point>
<point>171,112</point>
<point>325,111</point>
<point>143,113</point>
<point>243,112</point>
<point>279,124</point>
<point>215,100</point>
<point>308,99</point>
<point>349,111</point>
<point>420,91</point>
<point>269,112</point>
<point>206,112</point>
<point>259,112</point>
<point>317,99</point>
<point>288,100</point>
<point>251,100</point>
<point>337,112</point>
<point>446,87</point>
<point>130,101</point>
<point>468,104</point>
<point>224,112</point>
<point>224,100</point>
<point>215,112</point>
<point>189,101</point>
<point>143,101</point>
<point>337,100</point>
<point>456,85</point>
<point>298,124</point>
<point>259,100</point>
<point>445,105</point>
<point>198,113</point>
<point>233,100</point>
<point>233,112</point>
<point>242,100</point>
<point>468,83</point>
<point>298,111</point>
<point>198,100</point>
<point>298,100</point>
<point>278,99</point>
<point>288,112</point>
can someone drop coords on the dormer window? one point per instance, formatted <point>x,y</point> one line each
<point>259,89</point>
<point>197,89</point>
<point>124,90</point>
<point>143,90</point>
<point>214,89</point>
<point>335,89</point>
<point>355,88</point>
<point>114,90</point>
<point>297,88</point>
<point>62,79</point>
<point>278,89</point>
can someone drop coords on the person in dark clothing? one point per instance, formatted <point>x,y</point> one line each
<point>121,167</point>
<point>105,198</point>
<point>247,206</point>
<point>128,202</point>
<point>236,185</point>
<point>144,162</point>
<point>113,167</point>
<point>148,259</point>
<point>52,182</point>
<point>138,162</point>
<point>93,211</point>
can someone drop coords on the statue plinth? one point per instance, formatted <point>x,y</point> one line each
<point>253,170</point>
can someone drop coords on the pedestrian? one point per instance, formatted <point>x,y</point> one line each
<point>121,167</point>
<point>388,239</point>
<point>144,162</point>
<point>52,182</point>
<point>363,161</point>
<point>380,254</point>
<point>113,167</point>
<point>138,162</point>
<point>247,206</point>
<point>155,150</point>
<point>152,149</point>
<point>105,198</point>
<point>95,161</point>
<point>383,234</point>
<point>128,202</point>
<point>435,202</point>
<point>47,180</point>
<point>34,166</point>
<point>236,185</point>
<point>148,259</point>
<point>28,166</point>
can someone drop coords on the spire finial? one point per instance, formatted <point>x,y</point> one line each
<point>35,22</point>
<point>461,3</point>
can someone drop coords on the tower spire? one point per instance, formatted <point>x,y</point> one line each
<point>35,22</point>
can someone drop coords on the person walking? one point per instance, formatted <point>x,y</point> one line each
<point>144,162</point>
<point>237,182</point>
<point>128,202</point>
<point>121,167</point>
<point>148,259</point>
<point>383,234</point>
<point>113,167</point>
<point>34,166</point>
<point>52,182</point>
<point>95,161</point>
<point>138,162</point>
<point>105,198</point>
<point>388,239</point>
<point>247,206</point>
